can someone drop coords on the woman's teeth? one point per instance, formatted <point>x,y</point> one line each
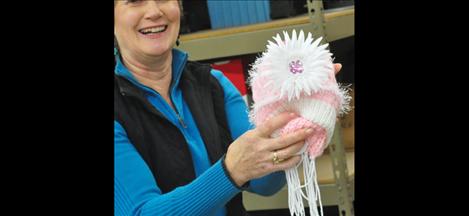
<point>154,30</point>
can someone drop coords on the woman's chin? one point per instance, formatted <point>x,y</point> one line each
<point>157,50</point>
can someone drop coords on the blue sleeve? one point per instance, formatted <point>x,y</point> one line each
<point>238,121</point>
<point>136,191</point>
<point>235,106</point>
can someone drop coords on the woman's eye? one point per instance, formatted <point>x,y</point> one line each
<point>133,1</point>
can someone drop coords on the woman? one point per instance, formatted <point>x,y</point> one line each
<point>183,144</point>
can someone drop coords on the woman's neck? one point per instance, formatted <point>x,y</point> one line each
<point>154,72</point>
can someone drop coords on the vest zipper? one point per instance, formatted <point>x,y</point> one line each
<point>181,120</point>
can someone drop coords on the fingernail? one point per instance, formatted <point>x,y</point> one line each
<point>309,131</point>
<point>292,114</point>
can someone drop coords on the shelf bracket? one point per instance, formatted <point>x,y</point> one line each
<point>339,165</point>
<point>316,15</point>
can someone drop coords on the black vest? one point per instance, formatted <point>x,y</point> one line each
<point>161,144</point>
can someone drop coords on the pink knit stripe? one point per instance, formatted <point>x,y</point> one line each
<point>260,92</point>
<point>328,97</point>
<point>263,113</point>
<point>296,124</point>
<point>316,142</point>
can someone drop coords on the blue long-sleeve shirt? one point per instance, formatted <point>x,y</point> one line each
<point>135,189</point>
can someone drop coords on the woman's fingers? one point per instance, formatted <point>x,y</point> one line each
<point>289,139</point>
<point>290,151</point>
<point>337,67</point>
<point>266,129</point>
<point>287,163</point>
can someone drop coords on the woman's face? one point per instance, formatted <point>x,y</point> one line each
<point>146,27</point>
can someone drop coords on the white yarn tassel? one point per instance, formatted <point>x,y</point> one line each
<point>295,199</point>
<point>312,187</point>
<point>295,189</point>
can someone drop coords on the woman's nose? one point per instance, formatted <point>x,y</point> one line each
<point>153,10</point>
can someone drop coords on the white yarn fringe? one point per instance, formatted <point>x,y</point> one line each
<point>295,189</point>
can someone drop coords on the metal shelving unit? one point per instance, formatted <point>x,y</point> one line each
<point>211,44</point>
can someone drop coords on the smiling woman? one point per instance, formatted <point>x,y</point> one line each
<point>183,143</point>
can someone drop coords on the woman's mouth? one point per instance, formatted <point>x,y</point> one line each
<point>153,32</point>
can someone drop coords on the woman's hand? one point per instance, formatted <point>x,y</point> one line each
<point>251,155</point>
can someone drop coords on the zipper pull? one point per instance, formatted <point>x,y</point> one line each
<point>181,121</point>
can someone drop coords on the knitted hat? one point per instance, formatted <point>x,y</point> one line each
<point>297,75</point>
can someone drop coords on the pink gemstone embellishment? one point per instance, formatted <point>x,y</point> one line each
<point>296,67</point>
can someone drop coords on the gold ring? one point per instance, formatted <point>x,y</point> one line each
<point>275,159</point>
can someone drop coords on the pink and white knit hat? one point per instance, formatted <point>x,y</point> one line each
<point>297,75</point>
